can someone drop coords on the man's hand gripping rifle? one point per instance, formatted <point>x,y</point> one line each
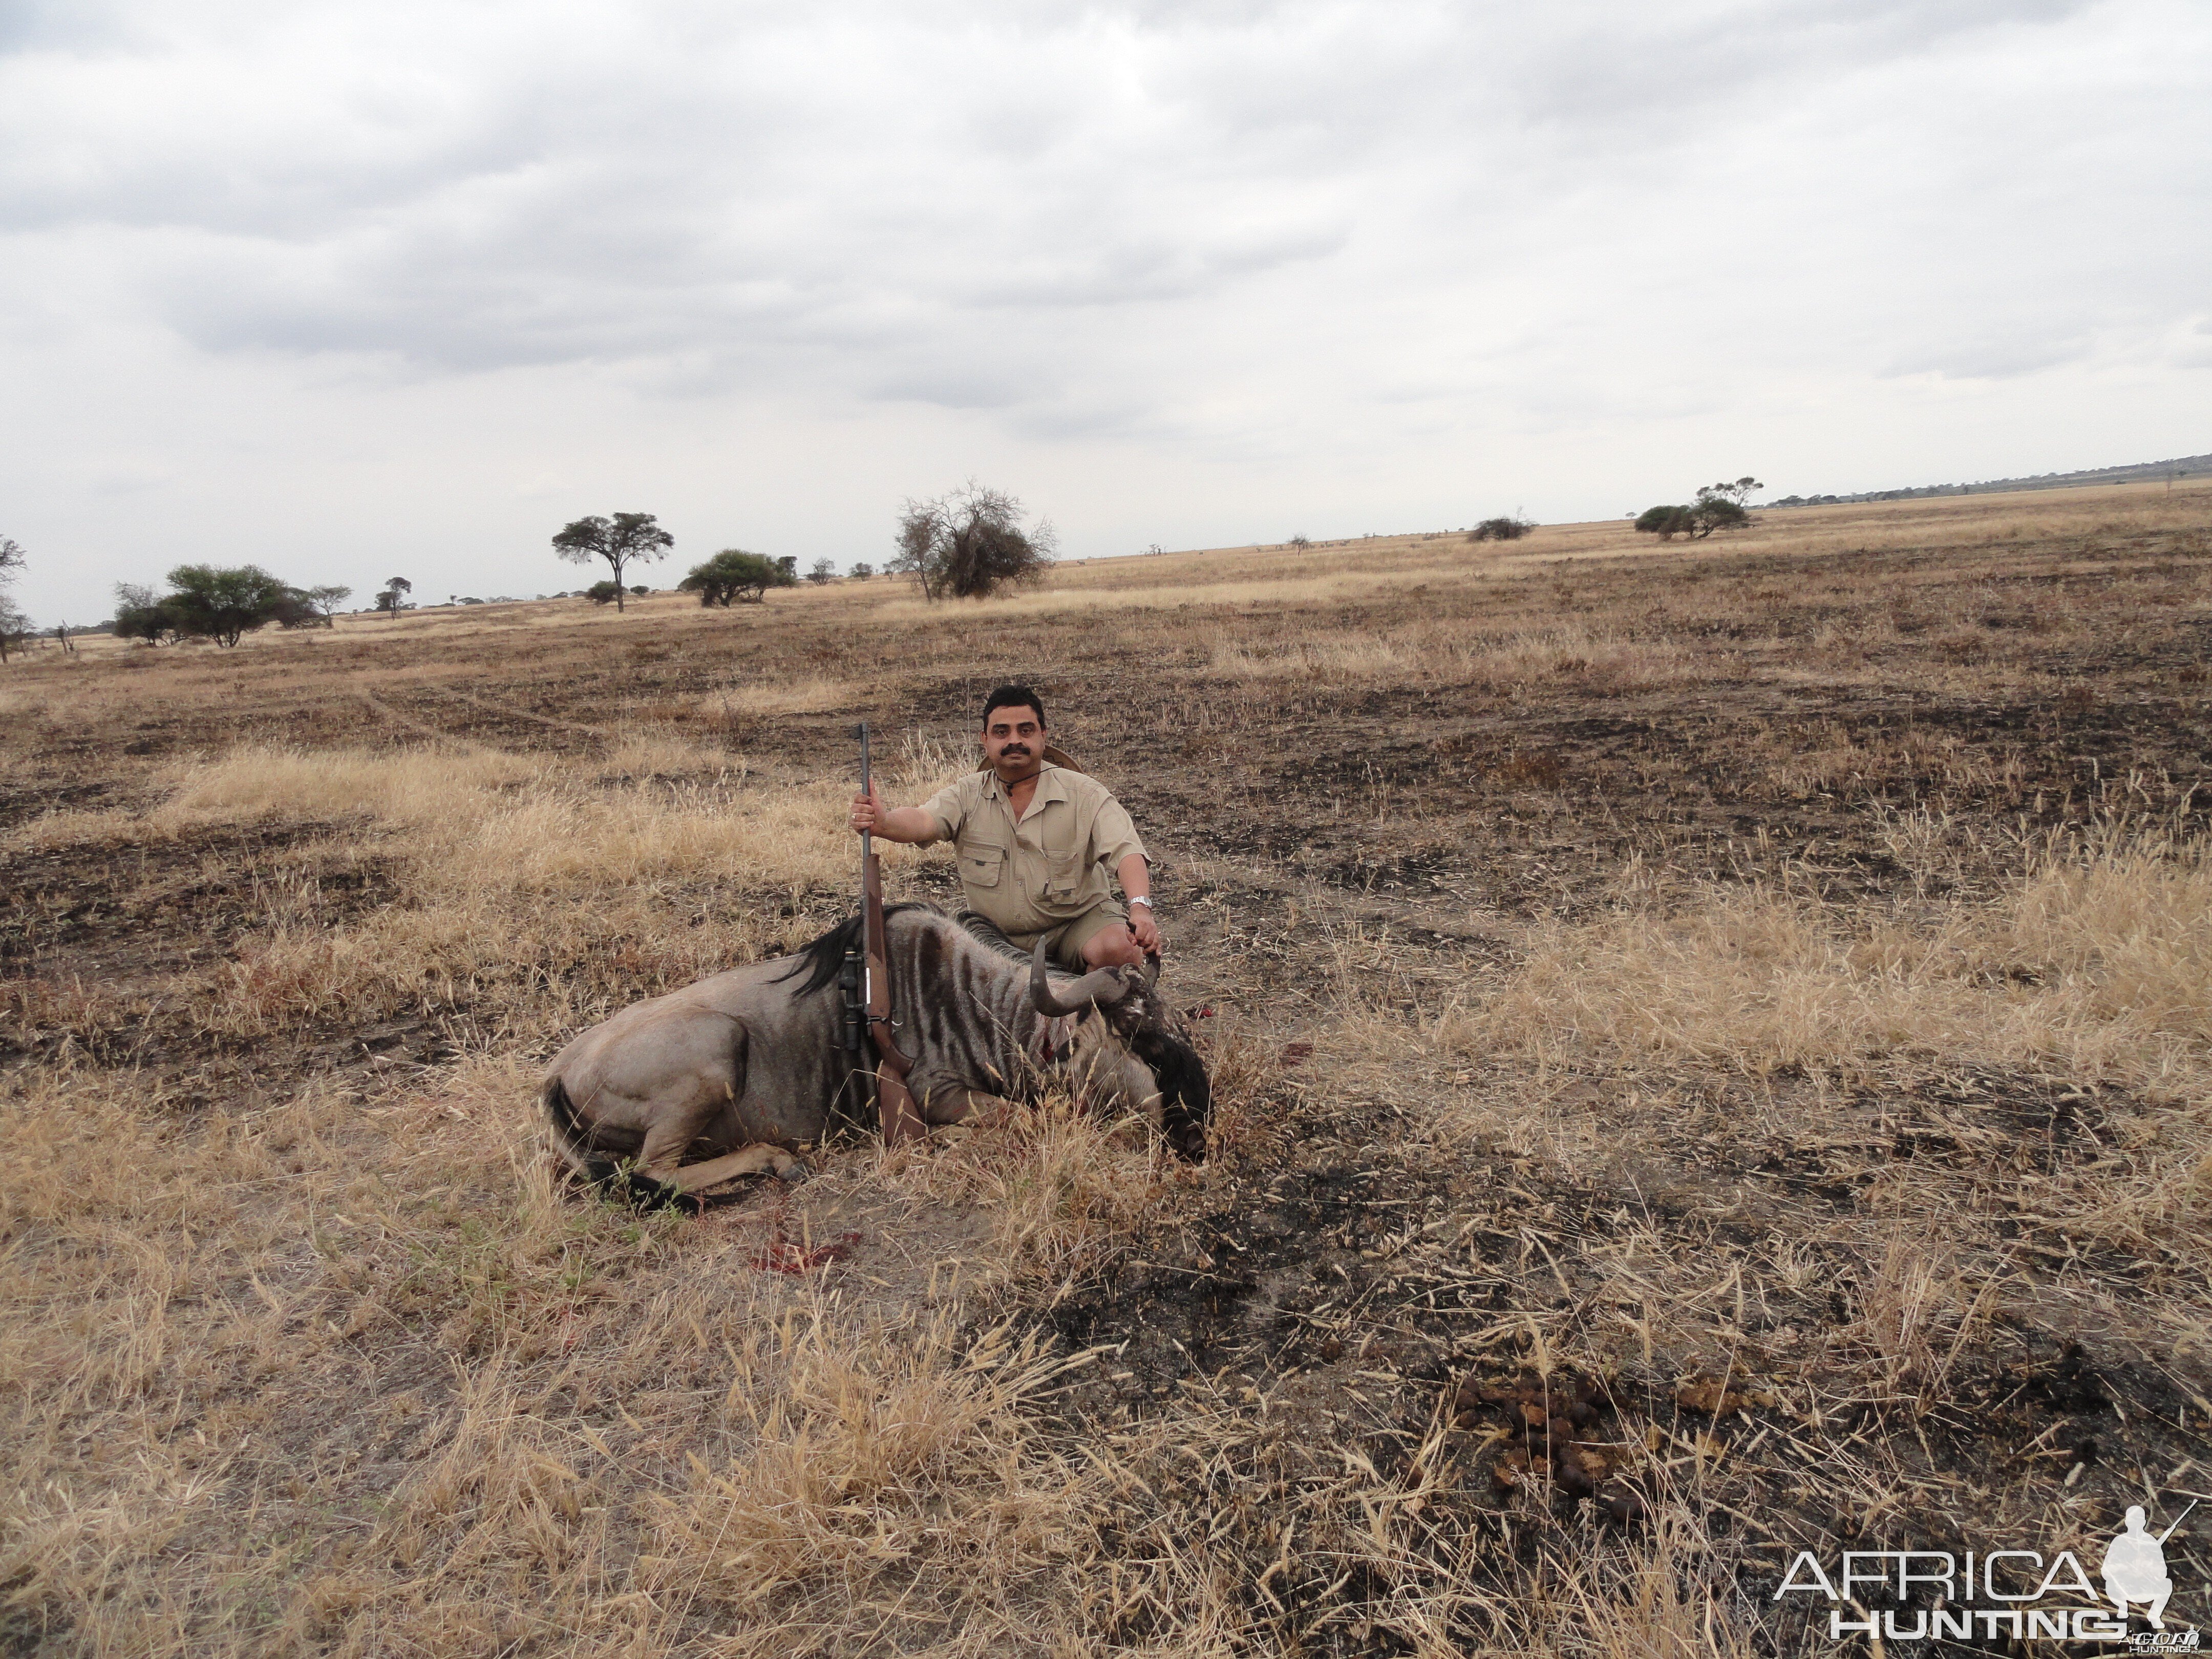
<point>866,984</point>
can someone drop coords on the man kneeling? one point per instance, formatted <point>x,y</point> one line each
<point>1034,842</point>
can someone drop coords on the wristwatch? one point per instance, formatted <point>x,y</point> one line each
<point>1146,903</point>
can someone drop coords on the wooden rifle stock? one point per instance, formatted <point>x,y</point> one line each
<point>896,1110</point>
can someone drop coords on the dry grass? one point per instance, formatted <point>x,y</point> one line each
<point>631,1438</point>
<point>1452,658</point>
<point>2096,963</point>
<point>1775,970</point>
<point>810,695</point>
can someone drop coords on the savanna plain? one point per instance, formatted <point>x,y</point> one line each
<point>1712,1048</point>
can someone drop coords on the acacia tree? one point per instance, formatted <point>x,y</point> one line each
<point>391,600</point>
<point>970,542</point>
<point>310,607</point>
<point>211,602</point>
<point>141,614</point>
<point>620,540</point>
<point>324,601</point>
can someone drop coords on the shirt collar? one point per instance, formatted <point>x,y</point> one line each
<point>1049,786</point>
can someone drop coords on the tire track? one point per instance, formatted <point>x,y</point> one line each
<point>408,722</point>
<point>507,712</point>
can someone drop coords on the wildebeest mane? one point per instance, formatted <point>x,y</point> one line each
<point>821,960</point>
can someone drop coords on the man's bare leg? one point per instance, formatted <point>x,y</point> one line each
<point>1112,947</point>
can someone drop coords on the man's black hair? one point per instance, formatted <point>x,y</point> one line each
<point>1014,696</point>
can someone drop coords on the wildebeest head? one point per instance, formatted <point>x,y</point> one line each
<point>1130,1047</point>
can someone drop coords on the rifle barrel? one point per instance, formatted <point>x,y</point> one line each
<point>2178,1520</point>
<point>867,841</point>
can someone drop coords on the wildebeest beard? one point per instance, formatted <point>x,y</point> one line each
<point>1186,1092</point>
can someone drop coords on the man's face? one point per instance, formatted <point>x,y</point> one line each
<point>1014,742</point>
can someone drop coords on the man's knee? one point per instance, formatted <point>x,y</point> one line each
<point>1112,947</point>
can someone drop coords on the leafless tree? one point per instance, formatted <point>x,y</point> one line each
<point>970,542</point>
<point>15,626</point>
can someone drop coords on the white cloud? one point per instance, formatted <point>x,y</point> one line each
<point>1191,270</point>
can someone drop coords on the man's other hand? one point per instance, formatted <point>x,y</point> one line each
<point>1147,930</point>
<point>868,810</point>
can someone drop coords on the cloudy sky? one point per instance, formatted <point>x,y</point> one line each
<point>359,289</point>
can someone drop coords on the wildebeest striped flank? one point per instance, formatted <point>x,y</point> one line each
<point>736,1073</point>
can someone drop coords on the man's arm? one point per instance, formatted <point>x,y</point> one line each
<point>1136,878</point>
<point>913,825</point>
<point>1114,841</point>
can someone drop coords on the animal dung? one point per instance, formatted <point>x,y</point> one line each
<point>1511,1468</point>
<point>1551,1425</point>
<point>1702,1393</point>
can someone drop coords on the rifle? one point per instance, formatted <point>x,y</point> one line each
<point>895,1108</point>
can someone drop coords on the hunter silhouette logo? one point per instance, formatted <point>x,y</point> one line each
<point>2135,1567</point>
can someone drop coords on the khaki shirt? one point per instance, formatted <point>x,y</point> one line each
<point>1048,868</point>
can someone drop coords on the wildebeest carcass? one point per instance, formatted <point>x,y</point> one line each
<point>732,1075</point>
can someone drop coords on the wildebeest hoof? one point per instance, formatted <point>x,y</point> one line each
<point>785,1167</point>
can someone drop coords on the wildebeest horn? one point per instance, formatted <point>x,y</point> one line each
<point>1100,985</point>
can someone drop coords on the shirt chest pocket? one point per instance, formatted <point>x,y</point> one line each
<point>981,866</point>
<point>1063,873</point>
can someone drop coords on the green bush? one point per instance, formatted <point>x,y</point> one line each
<point>1666,522</point>
<point>735,576</point>
<point>1501,530</point>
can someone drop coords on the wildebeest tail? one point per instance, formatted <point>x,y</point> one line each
<point>596,1171</point>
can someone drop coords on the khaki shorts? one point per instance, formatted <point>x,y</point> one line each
<point>1064,942</point>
